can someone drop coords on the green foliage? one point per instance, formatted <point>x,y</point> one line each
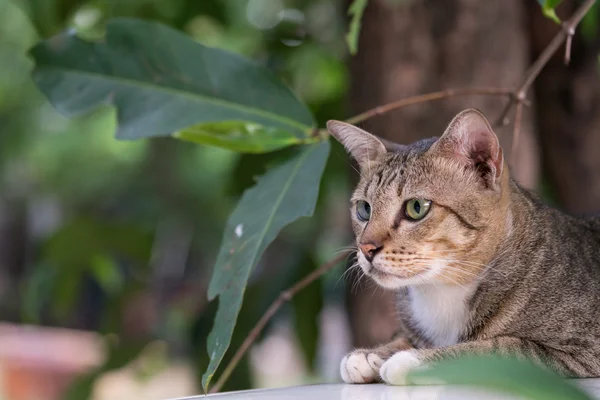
<point>137,69</point>
<point>285,193</point>
<point>85,247</point>
<point>161,81</point>
<point>503,374</point>
<point>356,11</point>
<point>549,9</point>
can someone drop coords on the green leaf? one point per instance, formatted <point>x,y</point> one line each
<point>284,194</point>
<point>161,81</point>
<point>356,11</point>
<point>503,374</point>
<point>548,9</point>
<point>243,137</point>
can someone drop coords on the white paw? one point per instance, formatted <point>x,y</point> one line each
<point>395,370</point>
<point>360,367</point>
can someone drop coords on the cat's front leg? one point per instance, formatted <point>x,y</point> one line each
<point>395,371</point>
<point>362,365</point>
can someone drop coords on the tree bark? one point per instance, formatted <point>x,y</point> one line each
<point>413,47</point>
<point>568,115</point>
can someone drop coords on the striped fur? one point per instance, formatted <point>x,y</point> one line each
<point>490,267</point>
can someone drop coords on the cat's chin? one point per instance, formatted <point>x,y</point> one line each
<point>390,281</point>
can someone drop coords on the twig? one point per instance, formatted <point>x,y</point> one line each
<point>568,45</point>
<point>284,296</point>
<point>566,33</point>
<point>423,98</point>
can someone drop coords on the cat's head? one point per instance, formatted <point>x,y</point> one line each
<point>430,212</point>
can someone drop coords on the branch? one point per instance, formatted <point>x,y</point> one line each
<point>423,98</point>
<point>566,33</point>
<point>516,97</point>
<point>284,297</point>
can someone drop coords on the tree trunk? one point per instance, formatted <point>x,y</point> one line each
<point>408,48</point>
<point>568,115</point>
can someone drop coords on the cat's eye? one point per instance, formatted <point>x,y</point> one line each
<point>363,210</point>
<point>417,209</point>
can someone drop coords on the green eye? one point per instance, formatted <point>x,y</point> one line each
<point>417,209</point>
<point>363,210</point>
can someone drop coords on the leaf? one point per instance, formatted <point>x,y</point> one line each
<point>504,374</point>
<point>548,9</point>
<point>356,11</point>
<point>161,81</point>
<point>284,194</point>
<point>243,137</point>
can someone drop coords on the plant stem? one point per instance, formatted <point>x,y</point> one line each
<point>567,31</point>
<point>423,98</point>
<point>283,297</point>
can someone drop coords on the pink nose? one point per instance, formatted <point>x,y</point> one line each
<point>370,249</point>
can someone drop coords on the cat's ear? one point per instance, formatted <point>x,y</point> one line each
<point>470,139</point>
<point>364,147</point>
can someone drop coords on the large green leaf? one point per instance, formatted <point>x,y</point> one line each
<point>161,81</point>
<point>284,194</point>
<point>504,374</point>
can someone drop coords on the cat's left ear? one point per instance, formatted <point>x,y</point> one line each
<point>364,147</point>
<point>470,139</point>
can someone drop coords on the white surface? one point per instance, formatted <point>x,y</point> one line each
<point>378,392</point>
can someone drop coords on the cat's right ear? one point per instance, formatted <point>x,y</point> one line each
<point>470,140</point>
<point>362,146</point>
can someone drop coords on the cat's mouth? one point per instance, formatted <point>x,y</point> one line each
<point>402,277</point>
<point>394,276</point>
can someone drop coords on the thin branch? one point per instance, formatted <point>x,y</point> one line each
<point>568,45</point>
<point>284,297</point>
<point>423,98</point>
<point>567,31</point>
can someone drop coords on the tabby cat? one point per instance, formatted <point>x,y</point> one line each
<point>479,264</point>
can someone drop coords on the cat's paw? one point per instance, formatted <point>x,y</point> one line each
<point>395,370</point>
<point>361,366</point>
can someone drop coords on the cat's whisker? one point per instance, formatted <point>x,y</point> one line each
<point>456,283</point>
<point>354,168</point>
<point>346,248</point>
<point>354,287</point>
<point>460,265</point>
<point>346,272</point>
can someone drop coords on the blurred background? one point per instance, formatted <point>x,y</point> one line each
<point>106,247</point>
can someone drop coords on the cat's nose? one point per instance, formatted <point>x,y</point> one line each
<point>370,249</point>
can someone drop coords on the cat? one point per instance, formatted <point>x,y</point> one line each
<point>479,264</point>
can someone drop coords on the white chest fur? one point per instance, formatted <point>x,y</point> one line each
<point>440,312</point>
